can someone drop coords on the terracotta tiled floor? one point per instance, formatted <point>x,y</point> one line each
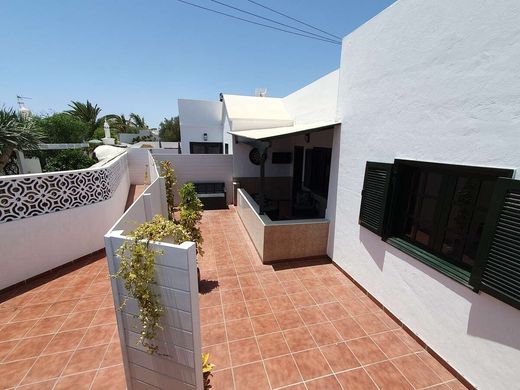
<point>60,332</point>
<point>297,326</point>
<point>302,325</point>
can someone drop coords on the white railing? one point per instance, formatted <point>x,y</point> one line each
<point>24,196</point>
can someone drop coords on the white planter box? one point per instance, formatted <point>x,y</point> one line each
<point>177,285</point>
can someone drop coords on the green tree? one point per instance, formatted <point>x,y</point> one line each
<point>170,130</point>
<point>138,121</point>
<point>16,133</point>
<point>63,128</point>
<point>122,124</point>
<point>68,159</point>
<point>88,113</point>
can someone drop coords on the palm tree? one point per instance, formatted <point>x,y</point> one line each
<point>121,124</point>
<point>16,133</point>
<point>138,121</point>
<point>88,113</point>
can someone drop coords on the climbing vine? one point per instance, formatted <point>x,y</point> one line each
<point>168,173</point>
<point>137,271</point>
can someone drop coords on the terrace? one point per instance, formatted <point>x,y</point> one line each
<point>303,325</point>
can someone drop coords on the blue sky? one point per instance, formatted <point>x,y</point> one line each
<point>141,56</point>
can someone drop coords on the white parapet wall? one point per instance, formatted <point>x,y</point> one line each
<point>200,168</point>
<point>178,364</point>
<point>49,219</point>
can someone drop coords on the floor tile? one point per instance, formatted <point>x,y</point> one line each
<point>222,380</point>
<point>85,359</point>
<point>235,311</point>
<point>312,364</point>
<point>239,329</point>
<point>265,324</point>
<point>386,376</point>
<point>244,351</point>
<point>390,344</point>
<point>281,303</point>
<point>289,319</point>
<point>282,371</point>
<point>251,376</point>
<point>47,367</point>
<point>329,382</point>
<point>258,307</point>
<point>64,341</point>
<point>12,373</point>
<point>272,345</point>
<point>340,357</point>
<point>370,323</point>
<point>365,350</point>
<point>356,379</point>
<point>299,339</point>
<point>416,371</point>
<point>348,328</point>
<point>30,347</point>
<point>324,334</point>
<point>311,315</point>
<point>111,378</point>
<point>213,334</point>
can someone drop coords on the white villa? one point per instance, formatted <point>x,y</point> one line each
<point>400,168</point>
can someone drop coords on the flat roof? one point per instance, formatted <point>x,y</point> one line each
<point>277,132</point>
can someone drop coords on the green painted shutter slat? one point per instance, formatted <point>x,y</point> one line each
<point>497,267</point>
<point>374,197</point>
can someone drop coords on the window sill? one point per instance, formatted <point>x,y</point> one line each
<point>450,270</point>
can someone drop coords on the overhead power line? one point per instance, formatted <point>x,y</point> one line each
<point>268,19</point>
<point>296,20</point>
<point>259,24</point>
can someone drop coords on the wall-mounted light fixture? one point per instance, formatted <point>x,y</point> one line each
<point>308,137</point>
<point>205,136</point>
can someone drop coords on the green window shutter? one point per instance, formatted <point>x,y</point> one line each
<point>374,197</point>
<point>497,267</point>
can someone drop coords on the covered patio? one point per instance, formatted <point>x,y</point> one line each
<point>282,177</point>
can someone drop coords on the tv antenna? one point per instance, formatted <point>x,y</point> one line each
<point>20,100</point>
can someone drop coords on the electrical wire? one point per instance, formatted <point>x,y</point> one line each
<point>258,24</point>
<point>268,19</point>
<point>296,20</point>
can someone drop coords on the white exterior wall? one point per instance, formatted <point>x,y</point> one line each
<point>432,80</point>
<point>200,168</point>
<point>315,102</point>
<point>197,117</point>
<point>34,245</point>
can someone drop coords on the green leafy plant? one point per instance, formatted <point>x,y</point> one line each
<point>207,367</point>
<point>16,133</point>
<point>170,130</point>
<point>137,271</point>
<point>68,159</point>
<point>190,211</point>
<point>168,173</point>
<point>62,128</point>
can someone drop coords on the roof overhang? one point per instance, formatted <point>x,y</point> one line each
<point>280,132</point>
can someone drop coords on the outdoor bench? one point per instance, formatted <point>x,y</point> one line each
<point>212,195</point>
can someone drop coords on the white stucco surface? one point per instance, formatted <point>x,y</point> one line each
<point>315,102</point>
<point>431,80</point>
<point>197,117</point>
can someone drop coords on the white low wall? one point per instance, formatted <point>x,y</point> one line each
<point>33,245</point>
<point>200,168</point>
<point>247,210</point>
<point>179,364</point>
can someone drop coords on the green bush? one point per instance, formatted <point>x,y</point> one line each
<point>62,129</point>
<point>67,160</point>
<point>190,210</point>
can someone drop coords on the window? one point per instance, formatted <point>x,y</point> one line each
<point>317,170</point>
<point>443,209</point>
<point>441,214</point>
<point>205,148</point>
